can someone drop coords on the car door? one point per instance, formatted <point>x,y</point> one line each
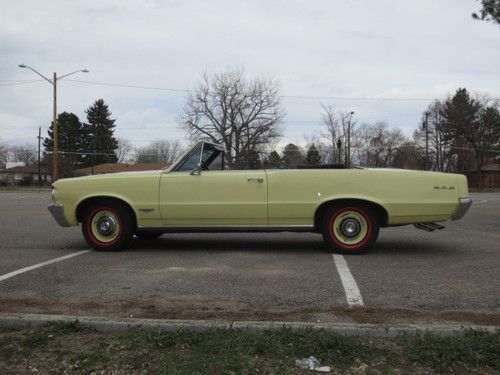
<point>214,198</point>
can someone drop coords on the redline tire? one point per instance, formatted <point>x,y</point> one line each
<point>148,234</point>
<point>107,226</point>
<point>350,228</point>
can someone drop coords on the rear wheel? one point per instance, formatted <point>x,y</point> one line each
<point>148,234</point>
<point>350,228</point>
<point>107,226</point>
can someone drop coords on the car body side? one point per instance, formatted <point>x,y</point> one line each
<point>284,197</point>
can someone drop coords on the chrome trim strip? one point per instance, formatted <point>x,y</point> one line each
<point>57,211</point>
<point>462,208</point>
<point>232,228</point>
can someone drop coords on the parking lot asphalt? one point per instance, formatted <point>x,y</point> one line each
<point>410,275</point>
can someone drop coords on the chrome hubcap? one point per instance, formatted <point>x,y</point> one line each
<point>350,227</point>
<point>106,225</point>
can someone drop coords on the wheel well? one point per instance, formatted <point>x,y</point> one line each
<point>380,211</point>
<point>83,205</point>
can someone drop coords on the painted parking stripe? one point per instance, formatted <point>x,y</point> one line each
<point>351,289</point>
<point>35,266</point>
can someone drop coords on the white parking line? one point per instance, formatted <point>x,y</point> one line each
<point>351,289</point>
<point>35,266</point>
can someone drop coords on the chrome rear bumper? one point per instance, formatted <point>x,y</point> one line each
<point>57,211</point>
<point>462,208</point>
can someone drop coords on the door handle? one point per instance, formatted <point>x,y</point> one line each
<point>261,180</point>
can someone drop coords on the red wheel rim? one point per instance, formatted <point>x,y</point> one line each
<point>90,233</point>
<point>334,238</point>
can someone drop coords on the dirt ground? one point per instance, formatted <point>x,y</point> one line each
<point>160,308</point>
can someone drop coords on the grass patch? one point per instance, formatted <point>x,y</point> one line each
<point>475,349</point>
<point>39,337</point>
<point>10,329</point>
<point>69,347</point>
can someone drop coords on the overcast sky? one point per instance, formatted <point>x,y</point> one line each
<point>334,48</point>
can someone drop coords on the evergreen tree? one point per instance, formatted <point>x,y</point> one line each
<point>490,119</point>
<point>312,157</point>
<point>460,116</point>
<point>490,11</point>
<point>71,140</point>
<point>273,160</point>
<point>100,138</point>
<point>292,155</point>
<point>473,128</point>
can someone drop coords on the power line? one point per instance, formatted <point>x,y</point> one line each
<point>128,86</point>
<point>19,80</point>
<point>281,96</point>
<point>20,83</point>
<point>354,98</point>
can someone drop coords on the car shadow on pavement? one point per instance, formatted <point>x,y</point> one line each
<point>394,247</point>
<point>230,243</point>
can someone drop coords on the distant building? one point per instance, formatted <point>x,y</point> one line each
<point>12,164</point>
<point>23,175</point>
<point>120,167</point>
<point>490,175</point>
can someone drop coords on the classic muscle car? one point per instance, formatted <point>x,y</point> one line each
<point>199,194</point>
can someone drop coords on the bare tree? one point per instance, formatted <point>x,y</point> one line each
<point>124,150</point>
<point>379,144</point>
<point>242,114</point>
<point>24,153</point>
<point>335,132</point>
<point>160,151</point>
<point>332,133</point>
<point>440,155</point>
<point>408,156</point>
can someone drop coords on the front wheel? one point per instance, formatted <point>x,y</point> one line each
<point>350,228</point>
<point>107,226</point>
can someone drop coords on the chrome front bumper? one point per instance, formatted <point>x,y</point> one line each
<point>57,211</point>
<point>462,208</point>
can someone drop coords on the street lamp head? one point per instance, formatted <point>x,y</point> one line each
<point>22,66</point>
<point>85,70</point>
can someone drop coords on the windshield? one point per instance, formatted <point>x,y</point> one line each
<point>211,159</point>
<point>181,158</point>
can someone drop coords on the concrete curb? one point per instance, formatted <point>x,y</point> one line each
<point>348,329</point>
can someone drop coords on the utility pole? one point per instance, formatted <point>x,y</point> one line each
<point>439,157</point>
<point>348,154</point>
<point>39,141</point>
<point>53,82</point>
<point>94,136</point>
<point>339,147</point>
<point>427,141</point>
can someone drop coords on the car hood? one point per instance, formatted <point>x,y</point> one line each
<point>107,176</point>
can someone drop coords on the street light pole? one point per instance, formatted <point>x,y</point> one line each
<point>53,82</point>
<point>55,150</point>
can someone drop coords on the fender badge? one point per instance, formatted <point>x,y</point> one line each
<point>146,209</point>
<point>444,187</point>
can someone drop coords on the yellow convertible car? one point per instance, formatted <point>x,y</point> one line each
<point>198,194</point>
